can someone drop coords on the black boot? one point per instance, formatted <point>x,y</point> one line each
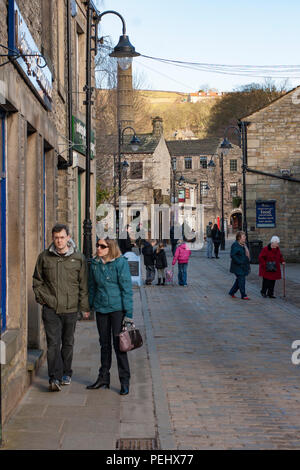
<point>100,383</point>
<point>158,284</point>
<point>164,280</point>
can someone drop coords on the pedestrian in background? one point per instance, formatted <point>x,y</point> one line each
<point>182,255</point>
<point>126,244</point>
<point>149,260</point>
<point>269,267</point>
<point>216,238</point>
<point>110,295</point>
<point>209,240</point>
<point>173,240</point>
<point>60,284</point>
<point>160,263</point>
<point>240,265</point>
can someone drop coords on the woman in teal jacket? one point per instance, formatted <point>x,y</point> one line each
<point>240,265</point>
<point>110,295</point>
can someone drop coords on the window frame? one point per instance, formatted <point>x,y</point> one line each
<point>188,160</point>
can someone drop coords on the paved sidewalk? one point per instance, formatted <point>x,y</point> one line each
<point>80,419</point>
<point>226,363</point>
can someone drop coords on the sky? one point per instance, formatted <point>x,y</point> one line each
<point>260,32</point>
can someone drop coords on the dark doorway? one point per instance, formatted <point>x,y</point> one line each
<point>236,220</point>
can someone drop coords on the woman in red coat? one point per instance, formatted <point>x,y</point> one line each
<point>269,266</point>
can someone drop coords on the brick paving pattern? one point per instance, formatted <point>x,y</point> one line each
<point>226,363</point>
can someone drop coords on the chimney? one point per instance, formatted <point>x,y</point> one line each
<point>125,98</point>
<point>158,128</point>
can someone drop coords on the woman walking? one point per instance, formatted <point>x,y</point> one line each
<point>110,295</point>
<point>269,267</point>
<point>160,263</point>
<point>182,255</point>
<point>216,238</point>
<point>240,265</point>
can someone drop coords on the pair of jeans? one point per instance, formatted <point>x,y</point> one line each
<point>240,284</point>
<point>150,273</point>
<point>268,286</point>
<point>109,327</point>
<point>182,274</point>
<point>60,329</point>
<point>209,247</point>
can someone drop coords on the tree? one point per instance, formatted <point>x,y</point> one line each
<point>241,102</point>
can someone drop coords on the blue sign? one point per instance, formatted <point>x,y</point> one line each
<point>30,63</point>
<point>265,214</point>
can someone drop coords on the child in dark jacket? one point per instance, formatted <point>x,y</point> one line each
<point>149,260</point>
<point>160,263</point>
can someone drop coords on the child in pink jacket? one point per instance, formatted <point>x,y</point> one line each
<point>182,255</point>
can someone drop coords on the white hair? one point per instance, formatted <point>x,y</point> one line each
<point>275,239</point>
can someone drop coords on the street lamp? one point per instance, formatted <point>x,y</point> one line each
<point>134,143</point>
<point>124,52</point>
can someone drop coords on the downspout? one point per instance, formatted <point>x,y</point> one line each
<point>63,165</point>
<point>70,87</point>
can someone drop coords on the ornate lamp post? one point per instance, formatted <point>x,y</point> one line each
<point>124,52</point>
<point>134,143</point>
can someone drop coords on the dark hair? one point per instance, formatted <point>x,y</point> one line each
<point>215,227</point>
<point>59,227</point>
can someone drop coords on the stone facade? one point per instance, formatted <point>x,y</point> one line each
<point>147,179</point>
<point>34,193</point>
<point>190,158</point>
<point>273,145</point>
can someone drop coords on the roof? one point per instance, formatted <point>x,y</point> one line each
<point>269,104</point>
<point>109,144</point>
<point>207,146</point>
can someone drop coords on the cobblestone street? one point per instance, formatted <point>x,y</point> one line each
<point>226,363</point>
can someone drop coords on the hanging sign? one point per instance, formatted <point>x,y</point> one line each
<point>30,63</point>
<point>79,136</point>
<point>181,195</point>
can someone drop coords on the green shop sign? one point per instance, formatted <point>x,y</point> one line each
<point>79,135</point>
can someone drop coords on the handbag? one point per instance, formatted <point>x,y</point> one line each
<point>130,338</point>
<point>271,266</point>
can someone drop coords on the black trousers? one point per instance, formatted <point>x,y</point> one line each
<point>109,326</point>
<point>217,246</point>
<point>60,329</point>
<point>268,286</point>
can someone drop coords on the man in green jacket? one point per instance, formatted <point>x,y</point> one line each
<point>60,284</point>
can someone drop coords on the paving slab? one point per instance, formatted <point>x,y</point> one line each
<point>79,419</point>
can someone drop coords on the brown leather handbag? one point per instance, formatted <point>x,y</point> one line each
<point>130,338</point>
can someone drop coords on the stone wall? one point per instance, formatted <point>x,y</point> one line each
<point>274,144</point>
<point>34,138</point>
<point>212,200</point>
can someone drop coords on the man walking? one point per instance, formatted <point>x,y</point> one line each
<point>209,240</point>
<point>60,284</point>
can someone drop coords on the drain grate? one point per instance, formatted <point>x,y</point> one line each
<point>137,444</point>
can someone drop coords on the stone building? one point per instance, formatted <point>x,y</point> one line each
<point>190,159</point>
<point>38,188</point>
<point>274,148</point>
<point>146,180</point>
